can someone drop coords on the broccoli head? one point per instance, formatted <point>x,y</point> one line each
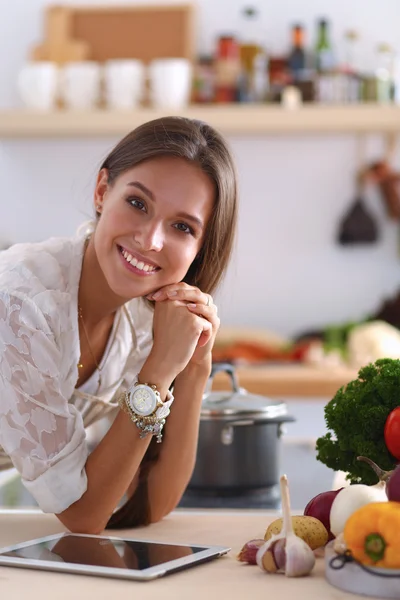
<point>355,418</point>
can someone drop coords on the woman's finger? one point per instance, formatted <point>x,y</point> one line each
<point>188,294</point>
<point>162,292</point>
<point>207,312</point>
<point>208,315</point>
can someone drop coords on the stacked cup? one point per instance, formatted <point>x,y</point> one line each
<point>37,84</point>
<point>80,84</point>
<point>170,83</point>
<point>121,83</point>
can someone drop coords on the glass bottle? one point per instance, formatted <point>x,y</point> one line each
<point>384,74</point>
<point>250,42</point>
<point>297,56</point>
<point>351,67</point>
<point>323,48</point>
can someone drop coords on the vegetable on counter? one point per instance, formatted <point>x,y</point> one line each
<point>356,418</point>
<point>390,478</point>
<point>286,552</point>
<point>350,499</point>
<point>309,529</point>
<point>392,433</point>
<point>249,551</point>
<point>320,506</point>
<point>372,535</point>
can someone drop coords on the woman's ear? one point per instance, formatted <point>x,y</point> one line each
<point>100,189</point>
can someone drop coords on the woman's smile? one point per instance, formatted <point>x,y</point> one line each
<point>137,264</point>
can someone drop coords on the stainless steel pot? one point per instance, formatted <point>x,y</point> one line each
<point>239,439</point>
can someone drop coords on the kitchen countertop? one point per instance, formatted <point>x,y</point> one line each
<point>222,578</point>
<point>294,380</point>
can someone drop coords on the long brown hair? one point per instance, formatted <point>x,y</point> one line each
<point>199,144</point>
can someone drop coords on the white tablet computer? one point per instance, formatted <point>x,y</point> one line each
<point>107,556</point>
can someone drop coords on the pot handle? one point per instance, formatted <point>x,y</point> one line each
<point>226,368</point>
<point>245,422</point>
<point>227,432</point>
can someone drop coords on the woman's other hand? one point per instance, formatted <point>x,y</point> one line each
<point>200,305</point>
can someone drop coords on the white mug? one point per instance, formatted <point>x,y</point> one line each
<point>80,84</point>
<point>170,82</point>
<point>124,83</point>
<point>37,83</point>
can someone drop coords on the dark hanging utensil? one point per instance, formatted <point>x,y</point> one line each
<point>358,226</point>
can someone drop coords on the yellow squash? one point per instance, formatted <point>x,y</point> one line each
<point>372,534</point>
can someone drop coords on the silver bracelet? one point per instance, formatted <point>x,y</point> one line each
<point>142,402</point>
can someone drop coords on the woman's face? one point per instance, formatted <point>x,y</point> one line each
<point>152,224</point>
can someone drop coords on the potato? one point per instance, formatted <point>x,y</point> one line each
<point>309,529</point>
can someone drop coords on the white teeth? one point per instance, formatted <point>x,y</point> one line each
<point>135,263</point>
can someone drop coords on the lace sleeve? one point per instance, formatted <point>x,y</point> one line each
<point>43,435</point>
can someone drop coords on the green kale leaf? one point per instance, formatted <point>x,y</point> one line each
<point>355,418</point>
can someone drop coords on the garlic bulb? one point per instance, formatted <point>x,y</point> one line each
<point>286,552</point>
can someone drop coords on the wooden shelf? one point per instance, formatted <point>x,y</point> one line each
<point>290,381</point>
<point>229,119</point>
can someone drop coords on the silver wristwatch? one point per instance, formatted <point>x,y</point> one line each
<point>144,405</point>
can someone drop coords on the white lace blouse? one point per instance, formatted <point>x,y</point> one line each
<point>42,416</point>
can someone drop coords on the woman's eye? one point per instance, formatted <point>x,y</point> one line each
<point>184,228</point>
<point>137,203</point>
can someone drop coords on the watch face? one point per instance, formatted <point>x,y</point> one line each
<point>143,400</point>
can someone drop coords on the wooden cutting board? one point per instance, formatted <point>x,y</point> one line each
<point>60,46</point>
<point>106,32</point>
<point>290,381</point>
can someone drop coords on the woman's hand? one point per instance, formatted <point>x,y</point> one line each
<point>199,305</point>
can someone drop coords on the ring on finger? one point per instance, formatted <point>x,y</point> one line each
<point>209,299</point>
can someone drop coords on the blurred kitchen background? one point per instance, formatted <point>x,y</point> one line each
<point>308,95</point>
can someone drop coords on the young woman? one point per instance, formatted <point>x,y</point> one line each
<point>119,323</point>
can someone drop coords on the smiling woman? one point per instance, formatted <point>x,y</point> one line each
<point>119,323</point>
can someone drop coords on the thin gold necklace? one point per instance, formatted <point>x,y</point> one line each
<point>80,365</point>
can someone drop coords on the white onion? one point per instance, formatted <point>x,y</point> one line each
<point>350,499</point>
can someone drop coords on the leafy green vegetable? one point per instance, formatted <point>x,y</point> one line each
<point>355,418</point>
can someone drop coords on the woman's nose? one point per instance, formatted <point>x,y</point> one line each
<point>150,237</point>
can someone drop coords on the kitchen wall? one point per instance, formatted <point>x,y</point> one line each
<point>287,274</point>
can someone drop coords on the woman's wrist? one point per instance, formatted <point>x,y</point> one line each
<point>197,371</point>
<point>156,373</point>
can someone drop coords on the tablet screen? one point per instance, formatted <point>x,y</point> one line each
<point>103,552</point>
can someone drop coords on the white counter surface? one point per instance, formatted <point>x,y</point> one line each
<point>223,578</point>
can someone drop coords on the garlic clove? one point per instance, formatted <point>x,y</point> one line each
<point>249,551</point>
<point>279,552</point>
<point>271,557</point>
<point>300,559</point>
<point>268,562</point>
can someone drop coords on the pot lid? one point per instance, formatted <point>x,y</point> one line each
<point>238,402</point>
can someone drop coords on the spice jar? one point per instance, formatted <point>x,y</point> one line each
<point>204,80</point>
<point>227,69</point>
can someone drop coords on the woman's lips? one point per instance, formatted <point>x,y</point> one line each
<point>136,266</point>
